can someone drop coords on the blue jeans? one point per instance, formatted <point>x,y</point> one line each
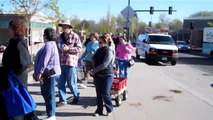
<point>69,75</point>
<point>123,68</point>
<point>48,93</point>
<point>103,86</point>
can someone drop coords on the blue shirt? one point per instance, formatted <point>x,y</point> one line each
<point>92,46</point>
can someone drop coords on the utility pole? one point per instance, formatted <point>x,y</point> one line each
<point>127,23</point>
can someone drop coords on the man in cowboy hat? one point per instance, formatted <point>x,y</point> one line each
<point>69,46</point>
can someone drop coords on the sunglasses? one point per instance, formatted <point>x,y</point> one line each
<point>100,42</point>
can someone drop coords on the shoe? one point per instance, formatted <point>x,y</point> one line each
<point>97,114</point>
<point>75,100</point>
<point>82,86</point>
<point>51,118</point>
<point>109,113</point>
<point>59,104</point>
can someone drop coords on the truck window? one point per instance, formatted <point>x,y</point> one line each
<point>161,40</point>
<point>141,37</point>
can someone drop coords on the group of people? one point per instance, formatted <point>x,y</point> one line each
<point>58,60</point>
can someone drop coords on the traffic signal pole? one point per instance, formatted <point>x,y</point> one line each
<point>151,11</point>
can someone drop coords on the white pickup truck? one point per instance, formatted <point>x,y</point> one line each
<point>156,47</point>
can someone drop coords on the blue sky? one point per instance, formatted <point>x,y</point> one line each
<point>96,9</point>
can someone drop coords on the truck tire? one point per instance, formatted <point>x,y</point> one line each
<point>147,60</point>
<point>137,56</point>
<point>173,62</point>
<point>211,53</point>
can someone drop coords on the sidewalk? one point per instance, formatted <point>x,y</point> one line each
<point>83,110</point>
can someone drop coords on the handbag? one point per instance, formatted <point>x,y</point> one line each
<point>131,62</point>
<point>18,101</point>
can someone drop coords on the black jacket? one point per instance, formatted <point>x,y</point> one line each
<point>16,55</point>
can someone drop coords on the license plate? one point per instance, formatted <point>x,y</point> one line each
<point>164,58</point>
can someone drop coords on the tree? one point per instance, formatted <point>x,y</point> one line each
<point>28,8</point>
<point>120,23</point>
<point>202,14</point>
<point>134,27</point>
<point>175,25</point>
<point>163,22</point>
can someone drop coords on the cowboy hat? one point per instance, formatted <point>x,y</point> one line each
<point>64,22</point>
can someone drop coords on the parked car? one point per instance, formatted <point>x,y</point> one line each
<point>2,48</point>
<point>183,46</point>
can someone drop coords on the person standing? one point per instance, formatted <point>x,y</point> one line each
<point>123,55</point>
<point>91,48</point>
<point>69,45</point>
<point>47,69</point>
<point>103,76</point>
<point>16,57</point>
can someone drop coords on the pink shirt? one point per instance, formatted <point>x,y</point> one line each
<point>124,51</point>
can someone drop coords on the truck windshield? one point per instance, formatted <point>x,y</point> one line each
<point>161,40</point>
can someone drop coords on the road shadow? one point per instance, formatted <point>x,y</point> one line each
<point>72,114</point>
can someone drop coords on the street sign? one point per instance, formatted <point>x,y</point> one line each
<point>125,12</point>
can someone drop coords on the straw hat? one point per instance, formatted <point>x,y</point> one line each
<point>64,22</point>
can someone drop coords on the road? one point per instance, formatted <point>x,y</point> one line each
<point>155,92</point>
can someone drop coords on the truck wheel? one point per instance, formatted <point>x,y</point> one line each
<point>137,56</point>
<point>173,62</point>
<point>118,100</point>
<point>125,95</point>
<point>146,58</point>
<point>211,53</point>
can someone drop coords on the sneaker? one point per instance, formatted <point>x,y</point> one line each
<point>82,86</point>
<point>97,114</point>
<point>109,113</point>
<point>59,104</point>
<point>51,118</point>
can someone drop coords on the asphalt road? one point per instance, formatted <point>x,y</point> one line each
<point>155,92</point>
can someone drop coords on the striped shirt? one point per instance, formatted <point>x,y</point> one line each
<point>70,57</point>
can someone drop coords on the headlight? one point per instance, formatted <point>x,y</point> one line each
<point>152,50</point>
<point>174,53</point>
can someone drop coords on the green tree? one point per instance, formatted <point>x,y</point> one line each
<point>202,14</point>
<point>28,8</point>
<point>134,27</point>
<point>175,25</point>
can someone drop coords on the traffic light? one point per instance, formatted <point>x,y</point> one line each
<point>170,10</point>
<point>151,11</point>
<point>150,24</point>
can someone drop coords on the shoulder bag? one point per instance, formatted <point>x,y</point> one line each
<point>18,101</point>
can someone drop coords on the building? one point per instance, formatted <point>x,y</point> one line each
<point>193,31</point>
<point>36,27</point>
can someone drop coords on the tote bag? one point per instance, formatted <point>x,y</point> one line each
<point>18,101</point>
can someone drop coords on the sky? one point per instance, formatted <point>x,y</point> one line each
<point>97,9</point>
